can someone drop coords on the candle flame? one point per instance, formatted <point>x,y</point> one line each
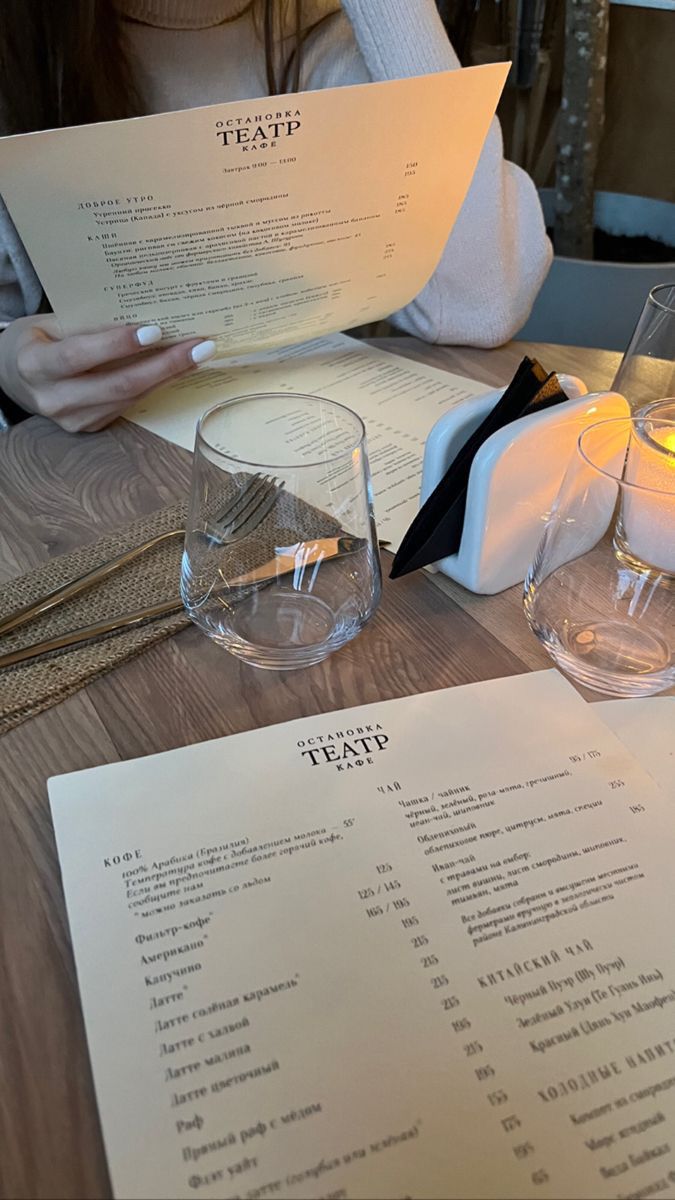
<point>665,438</point>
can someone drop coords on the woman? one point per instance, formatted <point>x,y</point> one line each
<point>98,60</point>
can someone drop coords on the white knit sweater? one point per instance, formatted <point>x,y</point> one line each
<point>194,52</point>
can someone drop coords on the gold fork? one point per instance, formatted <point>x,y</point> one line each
<point>242,516</point>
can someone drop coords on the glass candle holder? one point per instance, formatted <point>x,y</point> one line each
<point>646,524</point>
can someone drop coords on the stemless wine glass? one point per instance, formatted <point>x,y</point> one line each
<point>647,369</point>
<point>600,594</point>
<point>281,564</point>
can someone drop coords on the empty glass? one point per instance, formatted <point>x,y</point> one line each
<point>647,370</point>
<point>281,564</point>
<point>600,594</point>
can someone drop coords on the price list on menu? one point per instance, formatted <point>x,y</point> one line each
<point>418,948</point>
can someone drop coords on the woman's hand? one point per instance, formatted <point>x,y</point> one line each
<point>86,380</point>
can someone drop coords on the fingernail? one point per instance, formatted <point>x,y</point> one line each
<point>204,350</point>
<point>148,334</point>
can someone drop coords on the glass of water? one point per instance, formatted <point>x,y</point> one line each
<point>281,563</point>
<point>600,594</point>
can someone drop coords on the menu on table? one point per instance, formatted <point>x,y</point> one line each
<point>645,726</point>
<point>260,222</point>
<point>418,948</point>
<point>398,399</point>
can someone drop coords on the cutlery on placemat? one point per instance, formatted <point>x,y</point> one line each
<point>88,632</point>
<point>244,514</point>
<point>289,560</point>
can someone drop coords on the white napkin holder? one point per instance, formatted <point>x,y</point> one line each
<point>513,481</point>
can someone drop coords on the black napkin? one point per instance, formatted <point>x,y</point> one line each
<point>437,529</point>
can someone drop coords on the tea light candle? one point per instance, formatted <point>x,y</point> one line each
<point>648,514</point>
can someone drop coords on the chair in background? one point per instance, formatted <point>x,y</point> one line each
<point>592,303</point>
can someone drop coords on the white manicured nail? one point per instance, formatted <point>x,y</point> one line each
<point>148,334</point>
<point>204,350</point>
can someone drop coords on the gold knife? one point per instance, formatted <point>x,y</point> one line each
<point>293,560</point>
<point>89,632</point>
<point>288,560</point>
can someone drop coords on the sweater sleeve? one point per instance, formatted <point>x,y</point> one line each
<point>20,288</point>
<point>498,254</point>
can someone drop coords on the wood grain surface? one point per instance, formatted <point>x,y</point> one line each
<point>58,491</point>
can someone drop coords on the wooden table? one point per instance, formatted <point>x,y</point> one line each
<point>58,491</point>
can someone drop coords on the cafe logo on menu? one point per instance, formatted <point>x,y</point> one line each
<point>346,748</point>
<point>262,131</point>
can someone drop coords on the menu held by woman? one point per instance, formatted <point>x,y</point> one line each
<point>257,222</point>
<point>417,948</point>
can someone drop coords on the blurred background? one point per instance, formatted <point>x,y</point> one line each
<point>589,113</point>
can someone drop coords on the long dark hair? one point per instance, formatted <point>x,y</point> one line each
<point>66,64</point>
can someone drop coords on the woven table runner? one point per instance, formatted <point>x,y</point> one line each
<point>28,688</point>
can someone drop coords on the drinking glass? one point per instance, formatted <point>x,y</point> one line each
<point>600,594</point>
<point>281,564</point>
<point>647,369</point>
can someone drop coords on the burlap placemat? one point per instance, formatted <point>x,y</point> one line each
<point>27,689</point>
